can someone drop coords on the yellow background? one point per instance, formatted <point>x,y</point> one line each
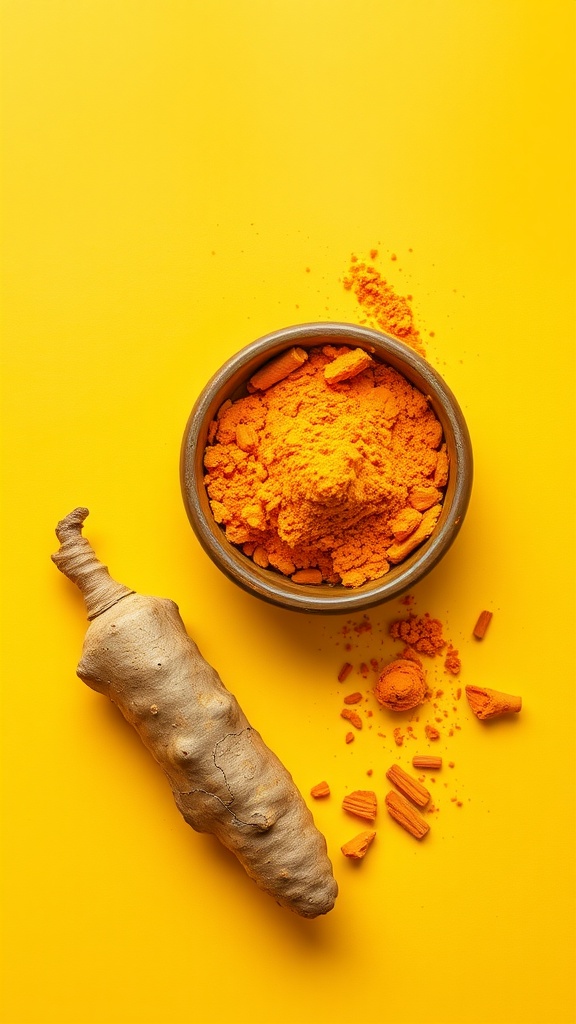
<point>171,170</point>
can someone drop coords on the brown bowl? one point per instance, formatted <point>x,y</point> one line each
<point>229,382</point>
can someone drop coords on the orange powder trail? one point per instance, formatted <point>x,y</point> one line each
<point>387,310</point>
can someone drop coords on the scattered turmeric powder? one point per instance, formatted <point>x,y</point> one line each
<point>385,309</point>
<point>452,663</point>
<point>421,632</point>
<point>323,471</point>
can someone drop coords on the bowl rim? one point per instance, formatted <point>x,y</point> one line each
<point>228,381</point>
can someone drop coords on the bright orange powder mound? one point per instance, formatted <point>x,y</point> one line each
<point>341,478</point>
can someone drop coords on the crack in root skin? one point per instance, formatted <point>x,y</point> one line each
<point>247,729</point>
<point>262,825</point>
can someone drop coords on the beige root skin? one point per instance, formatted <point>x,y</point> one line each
<point>224,778</point>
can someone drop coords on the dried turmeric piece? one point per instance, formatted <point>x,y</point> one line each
<point>482,624</point>
<point>401,811</point>
<point>351,716</point>
<point>405,523</point>
<point>353,698</point>
<point>246,437</point>
<point>408,785</point>
<point>320,790</point>
<point>422,497</point>
<point>487,703</point>
<point>278,369</point>
<point>424,761</point>
<point>313,576</point>
<point>357,847</point>
<point>399,551</point>
<point>346,366</point>
<point>432,732</point>
<point>363,803</point>
<point>344,671</point>
<point>349,737</point>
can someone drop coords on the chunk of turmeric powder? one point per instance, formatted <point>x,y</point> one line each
<point>401,686</point>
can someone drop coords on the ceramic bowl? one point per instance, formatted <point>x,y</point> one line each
<point>229,382</point>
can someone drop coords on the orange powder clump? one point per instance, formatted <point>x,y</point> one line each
<point>401,686</point>
<point>388,311</point>
<point>421,632</point>
<point>317,472</point>
<point>452,663</point>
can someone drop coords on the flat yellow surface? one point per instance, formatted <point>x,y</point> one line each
<point>180,178</point>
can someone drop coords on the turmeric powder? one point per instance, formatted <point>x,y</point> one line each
<point>325,469</point>
<point>387,310</point>
<point>421,632</point>
<point>401,686</point>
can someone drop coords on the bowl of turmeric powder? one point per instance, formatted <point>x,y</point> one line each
<point>326,467</point>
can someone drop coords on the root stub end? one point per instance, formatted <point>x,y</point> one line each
<point>73,522</point>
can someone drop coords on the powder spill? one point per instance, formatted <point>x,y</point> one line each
<point>385,309</point>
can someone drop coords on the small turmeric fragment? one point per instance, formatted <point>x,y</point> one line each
<point>482,624</point>
<point>408,785</point>
<point>277,369</point>
<point>401,811</point>
<point>344,671</point>
<point>346,366</point>
<point>423,497</point>
<point>405,523</point>
<point>353,698</point>
<point>349,737</point>
<point>425,761</point>
<point>432,732</point>
<point>351,716</point>
<point>362,803</point>
<point>320,790</point>
<point>246,437</point>
<point>399,551</point>
<point>487,703</point>
<point>357,847</point>
<point>313,576</point>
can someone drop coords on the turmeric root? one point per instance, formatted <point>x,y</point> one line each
<point>223,777</point>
